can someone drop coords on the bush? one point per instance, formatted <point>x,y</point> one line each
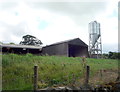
<point>114,55</point>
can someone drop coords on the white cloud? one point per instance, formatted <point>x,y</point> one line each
<point>54,22</point>
<point>109,27</point>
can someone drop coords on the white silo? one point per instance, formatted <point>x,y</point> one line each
<point>95,46</point>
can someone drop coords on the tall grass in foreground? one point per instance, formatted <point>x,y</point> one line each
<point>17,70</point>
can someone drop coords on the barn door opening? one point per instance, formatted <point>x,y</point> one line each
<point>71,50</point>
<point>76,51</point>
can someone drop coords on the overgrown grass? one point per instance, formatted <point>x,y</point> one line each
<point>17,70</point>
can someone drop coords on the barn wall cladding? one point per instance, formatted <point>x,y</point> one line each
<point>70,48</point>
<point>58,49</point>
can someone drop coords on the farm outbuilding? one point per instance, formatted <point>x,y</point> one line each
<point>70,48</point>
<point>20,49</point>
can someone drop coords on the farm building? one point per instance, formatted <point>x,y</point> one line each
<point>20,49</point>
<point>70,48</point>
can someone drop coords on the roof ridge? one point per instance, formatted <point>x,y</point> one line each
<point>65,42</point>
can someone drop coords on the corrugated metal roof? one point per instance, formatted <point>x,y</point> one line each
<point>21,46</point>
<point>68,41</point>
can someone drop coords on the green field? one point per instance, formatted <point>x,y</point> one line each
<point>17,70</point>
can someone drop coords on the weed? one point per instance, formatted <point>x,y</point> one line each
<point>17,70</point>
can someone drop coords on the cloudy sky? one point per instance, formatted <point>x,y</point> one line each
<point>59,20</point>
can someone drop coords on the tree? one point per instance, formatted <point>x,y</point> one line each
<point>30,40</point>
<point>11,43</point>
<point>1,42</point>
<point>110,55</point>
<point>114,55</point>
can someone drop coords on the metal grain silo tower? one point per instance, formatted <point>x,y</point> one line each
<point>95,45</point>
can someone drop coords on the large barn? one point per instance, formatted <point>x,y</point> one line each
<point>70,48</point>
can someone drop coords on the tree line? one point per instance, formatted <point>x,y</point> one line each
<point>112,55</point>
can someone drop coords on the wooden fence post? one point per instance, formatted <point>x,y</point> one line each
<point>87,74</point>
<point>35,77</point>
<point>101,75</point>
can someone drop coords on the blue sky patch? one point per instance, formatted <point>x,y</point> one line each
<point>42,24</point>
<point>113,14</point>
<point>16,14</point>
